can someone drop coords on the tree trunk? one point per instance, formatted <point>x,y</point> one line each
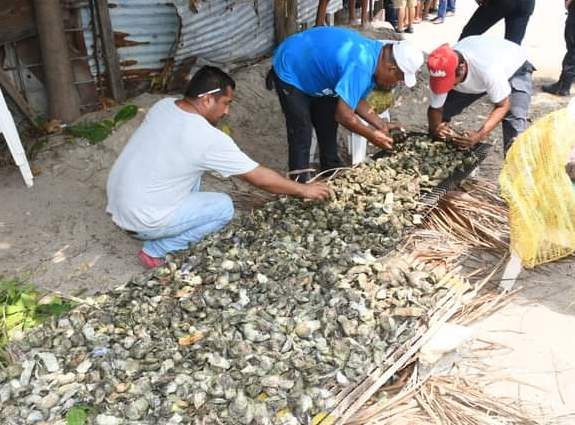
<point>63,99</point>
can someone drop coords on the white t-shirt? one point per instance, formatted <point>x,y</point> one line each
<point>164,161</point>
<point>491,63</point>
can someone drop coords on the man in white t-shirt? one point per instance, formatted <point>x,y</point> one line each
<point>476,66</point>
<point>154,186</point>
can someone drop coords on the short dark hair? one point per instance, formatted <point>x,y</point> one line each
<point>209,78</point>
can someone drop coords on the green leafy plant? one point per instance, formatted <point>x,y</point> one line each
<point>78,415</point>
<point>23,307</point>
<point>96,132</point>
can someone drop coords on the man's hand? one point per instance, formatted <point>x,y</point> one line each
<point>468,139</point>
<point>397,132</point>
<point>381,139</point>
<point>444,131</point>
<point>316,191</point>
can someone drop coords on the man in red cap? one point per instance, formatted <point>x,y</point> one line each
<point>476,66</point>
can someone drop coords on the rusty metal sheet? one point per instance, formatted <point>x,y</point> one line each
<point>219,31</point>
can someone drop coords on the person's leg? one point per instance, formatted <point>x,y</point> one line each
<point>364,13</point>
<point>451,7</point>
<point>390,13</point>
<point>351,11</point>
<point>296,107</point>
<point>517,18</point>
<point>400,19</point>
<point>321,12</point>
<point>323,118</point>
<point>410,15</point>
<point>483,19</point>
<point>563,85</point>
<point>426,6</point>
<point>456,102</point>
<point>568,65</point>
<point>200,214</point>
<point>441,10</point>
<point>418,12</point>
<point>515,122</point>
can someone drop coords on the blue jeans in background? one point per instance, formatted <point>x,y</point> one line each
<point>444,7</point>
<point>201,213</point>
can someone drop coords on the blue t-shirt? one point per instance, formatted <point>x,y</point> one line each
<point>328,61</point>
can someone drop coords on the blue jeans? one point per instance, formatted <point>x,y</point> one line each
<point>444,7</point>
<point>201,213</point>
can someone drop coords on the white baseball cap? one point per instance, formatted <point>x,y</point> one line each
<point>409,59</point>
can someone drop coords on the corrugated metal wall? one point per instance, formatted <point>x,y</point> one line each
<point>223,31</point>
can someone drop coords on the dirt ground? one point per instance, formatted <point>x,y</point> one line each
<point>58,236</point>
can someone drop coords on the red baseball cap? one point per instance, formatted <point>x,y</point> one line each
<point>442,63</point>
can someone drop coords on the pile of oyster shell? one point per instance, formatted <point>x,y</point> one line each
<point>264,322</point>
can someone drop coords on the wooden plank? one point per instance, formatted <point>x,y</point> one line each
<point>113,70</point>
<point>285,19</point>
<point>18,99</point>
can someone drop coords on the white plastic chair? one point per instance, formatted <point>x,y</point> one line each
<point>8,129</point>
<point>356,144</point>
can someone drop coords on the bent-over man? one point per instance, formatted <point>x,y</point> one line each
<point>476,66</point>
<point>322,77</point>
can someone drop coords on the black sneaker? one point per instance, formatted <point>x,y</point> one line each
<point>409,29</point>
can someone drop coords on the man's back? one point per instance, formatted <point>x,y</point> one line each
<point>488,57</point>
<point>316,60</point>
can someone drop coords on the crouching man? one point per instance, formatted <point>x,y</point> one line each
<point>154,186</point>
<point>476,66</point>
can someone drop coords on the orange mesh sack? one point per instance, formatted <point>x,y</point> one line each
<point>540,195</point>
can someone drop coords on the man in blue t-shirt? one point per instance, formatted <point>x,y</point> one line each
<point>322,77</point>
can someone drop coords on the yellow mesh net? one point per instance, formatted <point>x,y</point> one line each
<point>539,193</point>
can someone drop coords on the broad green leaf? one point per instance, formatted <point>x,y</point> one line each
<point>126,113</point>
<point>77,415</point>
<point>108,124</point>
<point>29,299</point>
<point>94,133</point>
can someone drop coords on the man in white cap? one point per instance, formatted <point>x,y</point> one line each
<point>322,77</point>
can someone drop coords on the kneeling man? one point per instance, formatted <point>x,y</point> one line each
<point>154,186</point>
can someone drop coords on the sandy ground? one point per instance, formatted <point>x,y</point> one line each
<point>58,236</point>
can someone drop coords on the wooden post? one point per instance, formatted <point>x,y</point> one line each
<point>63,99</point>
<point>113,71</point>
<point>285,12</point>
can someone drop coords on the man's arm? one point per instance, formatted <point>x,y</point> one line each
<point>365,111</point>
<point>471,138</point>
<point>270,181</point>
<point>434,120</point>
<point>495,117</point>
<point>348,118</point>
